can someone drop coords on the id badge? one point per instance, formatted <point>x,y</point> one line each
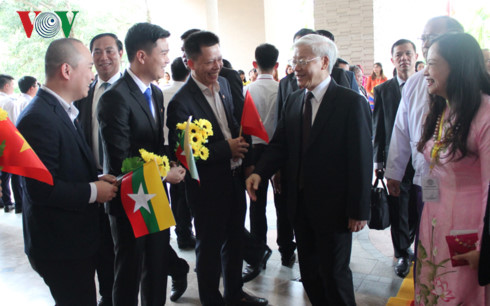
<point>430,189</point>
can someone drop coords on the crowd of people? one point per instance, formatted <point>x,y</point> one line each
<point>427,132</point>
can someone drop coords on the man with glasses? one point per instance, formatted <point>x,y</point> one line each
<point>323,142</point>
<point>414,105</point>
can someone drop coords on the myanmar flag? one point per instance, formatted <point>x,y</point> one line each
<point>17,156</point>
<point>251,122</point>
<point>185,154</point>
<point>145,201</point>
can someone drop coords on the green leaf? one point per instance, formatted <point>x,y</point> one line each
<point>422,251</point>
<point>131,164</point>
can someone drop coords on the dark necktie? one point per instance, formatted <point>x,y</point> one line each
<point>401,86</point>
<point>307,119</point>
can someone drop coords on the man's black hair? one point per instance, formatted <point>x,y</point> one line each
<point>118,42</point>
<point>4,80</point>
<point>26,82</point>
<point>193,43</point>
<point>179,70</point>
<point>326,33</point>
<point>266,56</point>
<point>143,36</point>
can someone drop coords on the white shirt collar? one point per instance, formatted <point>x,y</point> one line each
<point>69,108</point>
<point>204,88</point>
<point>265,77</point>
<point>111,81</point>
<point>320,90</point>
<point>138,81</point>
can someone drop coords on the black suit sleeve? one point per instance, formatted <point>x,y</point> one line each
<point>360,160</point>
<point>484,264</point>
<point>64,194</point>
<point>113,114</point>
<point>379,127</point>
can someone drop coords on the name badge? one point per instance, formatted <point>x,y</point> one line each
<point>430,189</point>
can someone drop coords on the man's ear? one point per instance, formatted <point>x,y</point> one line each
<point>190,63</point>
<point>276,65</point>
<point>254,63</point>
<point>65,71</point>
<point>141,56</point>
<point>326,62</point>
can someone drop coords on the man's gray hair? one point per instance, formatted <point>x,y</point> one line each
<point>59,52</point>
<point>320,46</point>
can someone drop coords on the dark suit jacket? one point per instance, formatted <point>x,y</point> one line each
<point>386,100</point>
<point>127,125</point>
<point>352,80</point>
<point>337,163</point>
<point>236,88</point>
<point>484,265</point>
<point>85,117</point>
<point>215,172</point>
<point>59,223</point>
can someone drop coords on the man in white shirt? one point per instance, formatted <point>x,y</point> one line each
<point>28,86</point>
<point>410,116</point>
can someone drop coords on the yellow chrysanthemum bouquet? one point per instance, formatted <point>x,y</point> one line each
<point>199,131</point>
<point>132,163</point>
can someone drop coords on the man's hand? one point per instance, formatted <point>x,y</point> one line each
<point>472,258</point>
<point>238,147</point>
<point>175,175</point>
<point>109,178</point>
<point>276,182</point>
<point>393,187</point>
<point>356,225</point>
<point>252,184</point>
<point>105,191</point>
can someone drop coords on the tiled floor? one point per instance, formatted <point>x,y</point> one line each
<point>371,263</point>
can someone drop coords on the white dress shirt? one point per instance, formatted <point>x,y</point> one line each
<point>264,93</point>
<point>72,112</point>
<point>168,94</point>
<point>318,93</point>
<point>407,131</point>
<point>214,100</point>
<point>143,88</point>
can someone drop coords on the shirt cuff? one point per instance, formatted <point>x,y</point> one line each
<point>378,166</point>
<point>93,193</point>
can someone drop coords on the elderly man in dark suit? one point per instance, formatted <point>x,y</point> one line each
<point>403,208</point>
<point>323,141</point>
<point>130,115</point>
<point>218,201</point>
<point>61,222</point>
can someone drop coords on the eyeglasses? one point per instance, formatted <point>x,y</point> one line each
<point>301,62</point>
<point>429,37</point>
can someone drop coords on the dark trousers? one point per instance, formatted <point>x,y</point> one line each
<point>181,211</point>
<point>219,234</point>
<point>404,218</point>
<point>143,260</point>
<point>258,219</point>
<point>324,258</point>
<point>105,257</point>
<point>71,282</point>
<point>16,189</point>
<point>253,249</point>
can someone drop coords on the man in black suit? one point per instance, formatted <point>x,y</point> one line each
<point>323,141</point>
<point>218,200</point>
<point>107,51</point>
<point>130,115</point>
<point>403,209</point>
<point>61,222</point>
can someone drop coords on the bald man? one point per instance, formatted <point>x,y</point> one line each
<point>61,222</point>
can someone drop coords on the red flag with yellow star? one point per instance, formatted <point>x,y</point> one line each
<point>17,156</point>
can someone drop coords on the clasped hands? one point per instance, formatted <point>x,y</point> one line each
<point>238,147</point>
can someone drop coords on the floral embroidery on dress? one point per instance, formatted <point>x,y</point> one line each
<point>436,288</point>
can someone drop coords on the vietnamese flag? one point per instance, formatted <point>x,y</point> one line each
<point>17,156</point>
<point>251,122</point>
<point>145,201</point>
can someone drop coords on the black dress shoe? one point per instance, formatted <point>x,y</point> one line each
<point>250,300</point>
<point>402,267</point>
<point>179,285</point>
<point>288,260</point>
<point>187,242</point>
<point>18,210</point>
<point>252,271</point>
<point>8,208</point>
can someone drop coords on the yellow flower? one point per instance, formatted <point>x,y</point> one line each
<point>182,126</point>
<point>195,148</point>
<point>145,155</point>
<point>194,129</point>
<point>162,161</point>
<point>204,153</point>
<point>3,114</point>
<point>206,126</point>
<point>196,139</point>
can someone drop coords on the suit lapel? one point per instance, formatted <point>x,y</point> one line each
<point>325,110</point>
<point>76,132</point>
<point>140,99</point>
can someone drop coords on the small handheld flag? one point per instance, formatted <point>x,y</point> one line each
<point>251,123</point>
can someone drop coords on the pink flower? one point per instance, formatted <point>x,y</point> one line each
<point>441,290</point>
